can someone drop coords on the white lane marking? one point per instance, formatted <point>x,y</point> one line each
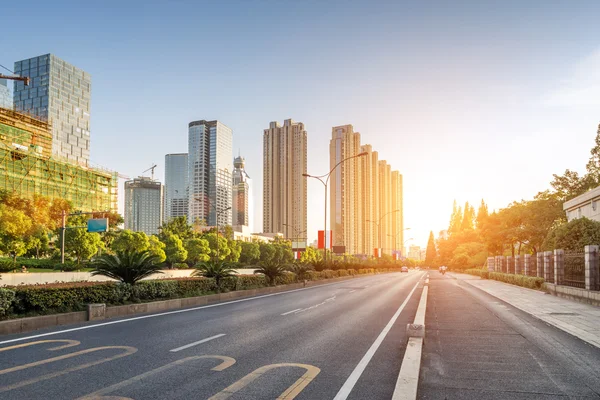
<point>353,290</point>
<point>315,306</point>
<point>167,313</point>
<point>293,311</point>
<point>187,346</point>
<point>360,368</point>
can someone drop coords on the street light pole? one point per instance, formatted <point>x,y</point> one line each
<point>325,183</point>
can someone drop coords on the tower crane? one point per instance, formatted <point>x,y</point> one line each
<point>24,79</point>
<point>151,169</point>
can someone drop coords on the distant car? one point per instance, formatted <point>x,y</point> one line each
<point>404,269</point>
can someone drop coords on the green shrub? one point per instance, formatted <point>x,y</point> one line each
<point>483,273</point>
<point>66,267</point>
<point>6,299</point>
<point>6,265</point>
<point>180,266</point>
<point>530,282</point>
<point>286,279</point>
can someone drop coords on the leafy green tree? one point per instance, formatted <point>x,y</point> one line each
<point>129,240</point>
<point>157,248</point>
<point>82,245</point>
<point>177,226</point>
<point>15,228</point>
<point>250,253</point>
<point>174,250</point>
<point>468,217</point>
<point>126,266</point>
<point>271,270</point>
<point>267,252</point>
<point>455,219</point>
<point>311,255</point>
<point>235,250</point>
<point>218,270</point>
<point>198,250</point>
<point>218,248</point>
<point>228,232</point>
<point>482,214</point>
<point>431,252</point>
<point>302,270</point>
<point>574,235</point>
<point>38,243</point>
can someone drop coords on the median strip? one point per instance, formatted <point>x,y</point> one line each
<point>408,378</point>
<point>187,346</point>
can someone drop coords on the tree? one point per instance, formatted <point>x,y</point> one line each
<point>38,243</point>
<point>198,250</point>
<point>82,245</point>
<point>455,219</point>
<point>311,255</point>
<point>431,252</point>
<point>235,250</point>
<point>218,247</point>
<point>15,227</point>
<point>177,226</point>
<point>126,266</point>
<point>250,253</point>
<point>302,270</point>
<point>574,236</point>
<point>482,214</point>
<point>174,250</point>
<point>468,217</point>
<point>156,247</point>
<point>129,240</point>
<point>271,270</point>
<point>267,252</point>
<point>218,270</point>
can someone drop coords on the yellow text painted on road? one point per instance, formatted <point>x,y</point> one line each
<point>127,351</point>
<point>226,363</point>
<point>69,343</point>
<point>291,392</point>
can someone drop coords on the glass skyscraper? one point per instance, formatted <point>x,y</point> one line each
<point>5,99</point>
<point>176,186</point>
<point>210,170</point>
<point>143,205</point>
<point>60,94</point>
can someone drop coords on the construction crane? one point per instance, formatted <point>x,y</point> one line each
<point>24,79</point>
<point>151,169</point>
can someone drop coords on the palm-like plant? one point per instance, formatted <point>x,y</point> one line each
<point>301,270</point>
<point>126,266</point>
<point>271,269</point>
<point>218,270</point>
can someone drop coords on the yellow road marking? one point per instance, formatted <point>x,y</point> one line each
<point>227,362</point>
<point>289,394</point>
<point>128,351</point>
<point>70,343</point>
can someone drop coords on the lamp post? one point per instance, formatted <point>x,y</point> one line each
<point>378,223</point>
<point>404,244</point>
<point>325,183</point>
<point>217,215</point>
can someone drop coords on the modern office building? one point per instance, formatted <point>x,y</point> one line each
<point>210,169</point>
<point>284,186</point>
<point>5,97</point>
<point>414,252</point>
<point>176,186</point>
<point>143,205</point>
<point>365,197</point>
<point>242,207</point>
<point>345,185</point>
<point>28,170</point>
<point>60,94</point>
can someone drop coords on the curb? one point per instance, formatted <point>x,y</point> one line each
<point>98,312</point>
<point>408,378</point>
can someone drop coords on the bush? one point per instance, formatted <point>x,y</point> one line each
<point>180,266</point>
<point>483,273</point>
<point>530,282</point>
<point>6,299</point>
<point>66,267</point>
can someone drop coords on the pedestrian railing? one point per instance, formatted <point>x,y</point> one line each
<point>574,269</point>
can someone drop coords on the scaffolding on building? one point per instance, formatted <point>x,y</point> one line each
<point>27,168</point>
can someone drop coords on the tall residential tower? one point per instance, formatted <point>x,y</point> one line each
<point>60,94</point>
<point>242,195</point>
<point>176,186</point>
<point>284,187</point>
<point>210,169</point>
<point>143,205</point>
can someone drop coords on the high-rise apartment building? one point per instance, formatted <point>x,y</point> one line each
<point>210,169</point>
<point>5,97</point>
<point>347,222</point>
<point>176,186</point>
<point>143,205</point>
<point>366,197</point>
<point>242,195</point>
<point>60,94</point>
<point>284,186</point>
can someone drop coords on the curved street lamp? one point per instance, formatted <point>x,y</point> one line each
<point>325,183</point>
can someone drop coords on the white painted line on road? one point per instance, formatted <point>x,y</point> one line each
<point>80,328</point>
<point>187,346</point>
<point>360,368</point>
<point>293,311</point>
<point>353,290</point>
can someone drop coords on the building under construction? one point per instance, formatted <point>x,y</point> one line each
<point>27,167</point>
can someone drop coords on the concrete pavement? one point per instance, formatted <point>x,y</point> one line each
<point>477,347</point>
<point>580,320</point>
<point>307,344</point>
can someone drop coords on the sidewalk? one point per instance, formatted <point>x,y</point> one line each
<point>580,320</point>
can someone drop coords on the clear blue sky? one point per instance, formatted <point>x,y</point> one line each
<point>469,100</point>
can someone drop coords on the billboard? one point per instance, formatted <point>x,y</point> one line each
<point>321,240</point>
<point>97,225</point>
<point>298,245</point>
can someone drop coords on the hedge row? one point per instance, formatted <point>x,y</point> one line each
<point>67,297</point>
<point>530,282</point>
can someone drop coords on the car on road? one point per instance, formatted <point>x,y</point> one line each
<point>404,269</point>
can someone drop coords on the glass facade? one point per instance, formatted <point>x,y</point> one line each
<point>176,184</point>
<point>242,186</point>
<point>143,205</point>
<point>5,97</point>
<point>210,170</point>
<point>59,93</point>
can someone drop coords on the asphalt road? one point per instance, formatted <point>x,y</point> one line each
<point>478,347</point>
<point>323,342</point>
